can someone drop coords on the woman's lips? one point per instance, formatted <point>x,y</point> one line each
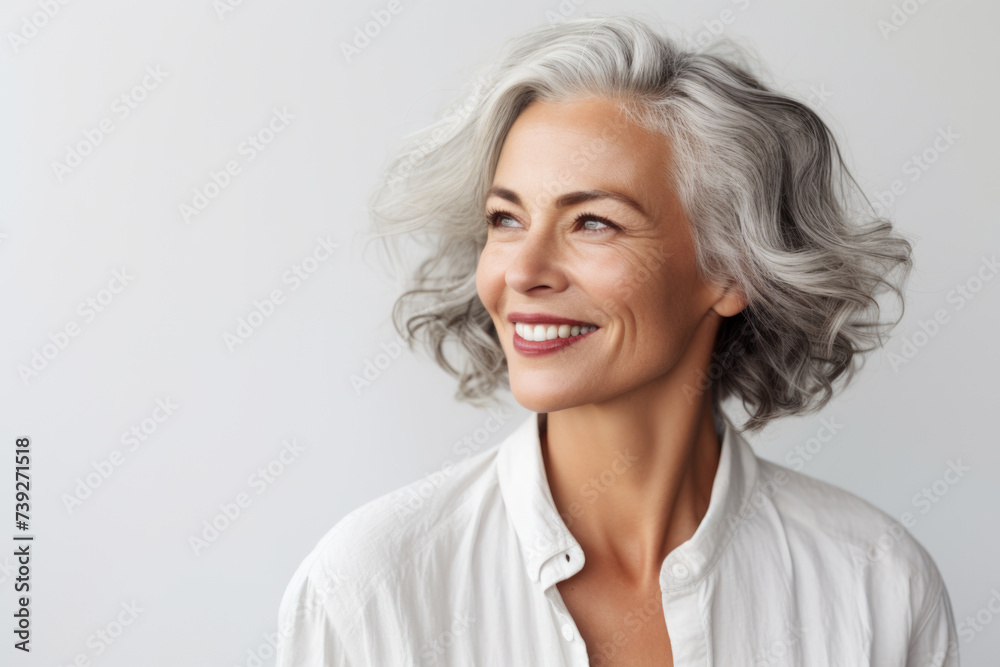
<point>536,347</point>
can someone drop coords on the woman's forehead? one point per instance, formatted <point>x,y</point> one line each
<point>553,149</point>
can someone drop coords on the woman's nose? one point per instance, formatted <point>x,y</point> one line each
<point>537,261</point>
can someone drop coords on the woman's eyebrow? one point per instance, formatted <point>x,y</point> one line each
<point>571,198</point>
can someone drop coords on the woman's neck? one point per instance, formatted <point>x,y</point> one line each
<point>633,479</point>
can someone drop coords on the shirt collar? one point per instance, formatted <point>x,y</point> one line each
<point>543,536</point>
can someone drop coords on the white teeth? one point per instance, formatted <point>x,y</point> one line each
<point>549,331</point>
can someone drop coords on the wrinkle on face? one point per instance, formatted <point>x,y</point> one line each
<point>639,284</point>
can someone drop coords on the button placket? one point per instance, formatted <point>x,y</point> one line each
<point>558,568</point>
<point>566,626</point>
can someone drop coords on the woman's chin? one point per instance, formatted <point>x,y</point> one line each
<point>538,398</point>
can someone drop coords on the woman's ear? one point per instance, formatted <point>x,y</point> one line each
<point>731,300</point>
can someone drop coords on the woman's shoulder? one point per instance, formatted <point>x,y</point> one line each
<point>809,503</point>
<point>824,510</point>
<point>850,544</point>
<point>854,540</point>
<point>375,541</point>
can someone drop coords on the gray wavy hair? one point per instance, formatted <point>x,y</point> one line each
<point>773,207</point>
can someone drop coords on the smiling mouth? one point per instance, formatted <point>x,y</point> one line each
<point>543,332</point>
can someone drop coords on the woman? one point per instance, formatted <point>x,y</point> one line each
<point>660,231</point>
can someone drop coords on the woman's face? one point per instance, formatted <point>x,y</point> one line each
<point>565,245</point>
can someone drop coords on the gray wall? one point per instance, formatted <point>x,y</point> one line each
<point>160,332</point>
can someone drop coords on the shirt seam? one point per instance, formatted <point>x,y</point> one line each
<point>933,600</point>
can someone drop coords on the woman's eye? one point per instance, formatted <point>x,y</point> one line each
<point>596,222</point>
<point>496,219</point>
<point>585,222</point>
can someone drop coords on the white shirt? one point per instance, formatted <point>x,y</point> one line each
<point>460,568</point>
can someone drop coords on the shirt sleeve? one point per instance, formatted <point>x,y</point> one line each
<point>309,635</point>
<point>934,642</point>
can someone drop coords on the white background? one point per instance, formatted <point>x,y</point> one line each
<point>162,335</point>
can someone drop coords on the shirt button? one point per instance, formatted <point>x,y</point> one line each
<point>680,570</point>
<point>567,631</point>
